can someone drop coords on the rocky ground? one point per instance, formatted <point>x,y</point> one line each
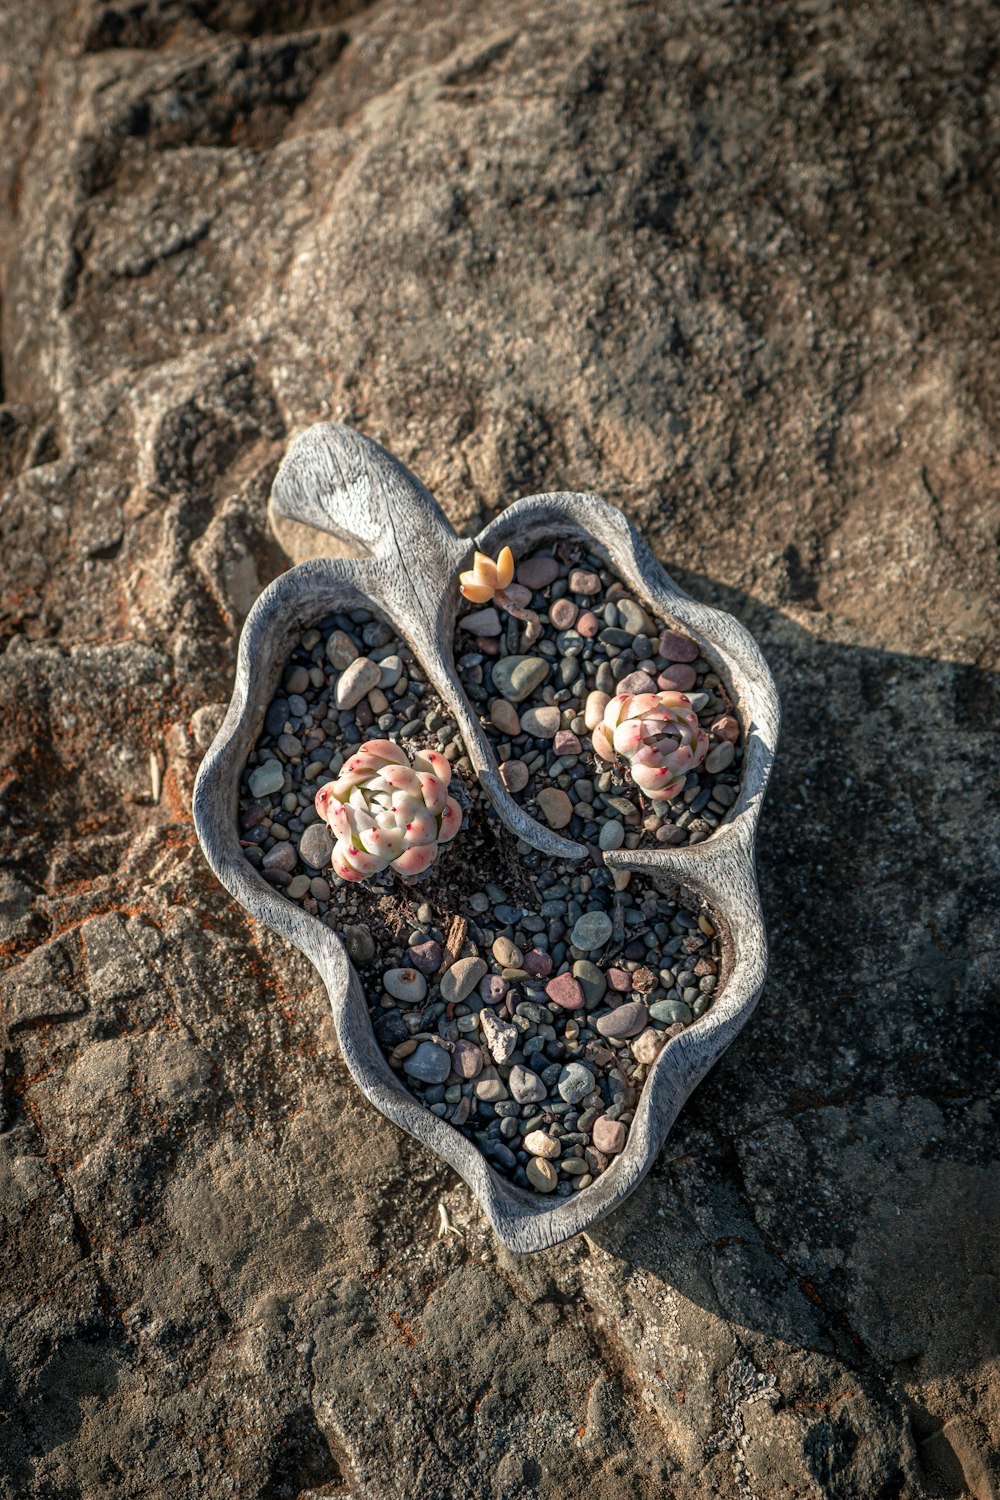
<point>734,268</point>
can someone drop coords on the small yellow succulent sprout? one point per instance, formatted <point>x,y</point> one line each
<point>487,579</point>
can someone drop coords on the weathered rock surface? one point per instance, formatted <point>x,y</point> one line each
<point>732,267</point>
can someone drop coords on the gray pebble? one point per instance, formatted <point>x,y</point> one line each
<point>720,756</point>
<point>575,1081</point>
<point>591,931</point>
<point>525,1086</point>
<point>316,846</point>
<point>429,1063</point>
<point>267,779</point>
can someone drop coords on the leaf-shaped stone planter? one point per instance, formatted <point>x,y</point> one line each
<point>340,482</point>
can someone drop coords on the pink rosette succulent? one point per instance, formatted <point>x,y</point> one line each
<point>657,734</point>
<point>386,812</point>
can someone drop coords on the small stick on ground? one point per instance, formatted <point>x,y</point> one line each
<point>446,1227</point>
<point>454,942</point>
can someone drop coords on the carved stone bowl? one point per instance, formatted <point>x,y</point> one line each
<point>335,479</point>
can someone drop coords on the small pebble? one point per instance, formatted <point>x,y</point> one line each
<point>358,679</point>
<point>504,716</point>
<point>461,979</point>
<point>555,806</point>
<point>625,1021</point>
<point>501,1039</point>
<point>648,1045</point>
<point>429,1063</point>
<point>493,989</point>
<point>583,582</point>
<point>525,1086</point>
<point>538,963</point>
<point>590,980</point>
<point>515,775</point>
<point>405,985</point>
<point>516,677</point>
<point>507,954</point>
<point>267,779</point>
<point>575,1082</point>
<point>490,1087</point>
<point>426,956</point>
<point>467,1059</point>
<point>540,1143</point>
<point>359,943</point>
<point>591,931</point>
<point>677,678</point>
<point>565,992</point>
<point>541,723</point>
<point>594,707</point>
<point>563,613</point>
<point>341,650</point>
<point>281,857</point>
<point>612,835</point>
<point>677,647</point>
<point>482,622</point>
<point>542,1175</point>
<point>637,682</point>
<point>566,743</point>
<point>316,846</point>
<point>609,1135</point>
<point>721,756</point>
<point>726,728</point>
<point>537,572</point>
<point>670,1011</point>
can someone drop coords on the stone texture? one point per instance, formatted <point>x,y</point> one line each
<point>731,267</point>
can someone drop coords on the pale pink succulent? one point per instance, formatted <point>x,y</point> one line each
<point>658,734</point>
<point>388,812</point>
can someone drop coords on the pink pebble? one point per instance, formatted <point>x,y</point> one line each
<point>637,682</point>
<point>537,572</point>
<point>466,1059</point>
<point>537,963</point>
<point>487,644</point>
<point>564,991</point>
<point>426,956</point>
<point>620,980</point>
<point>677,647</point>
<point>588,624</point>
<point>583,581</point>
<point>563,613</point>
<point>726,728</point>
<point>493,988</point>
<point>609,1135</point>
<point>566,743</point>
<point>677,679</point>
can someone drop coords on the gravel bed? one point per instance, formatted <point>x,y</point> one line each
<point>531,1021</point>
<point>530,687</point>
<point>355,658</point>
<point>521,998</point>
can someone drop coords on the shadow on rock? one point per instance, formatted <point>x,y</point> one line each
<point>830,1184</point>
